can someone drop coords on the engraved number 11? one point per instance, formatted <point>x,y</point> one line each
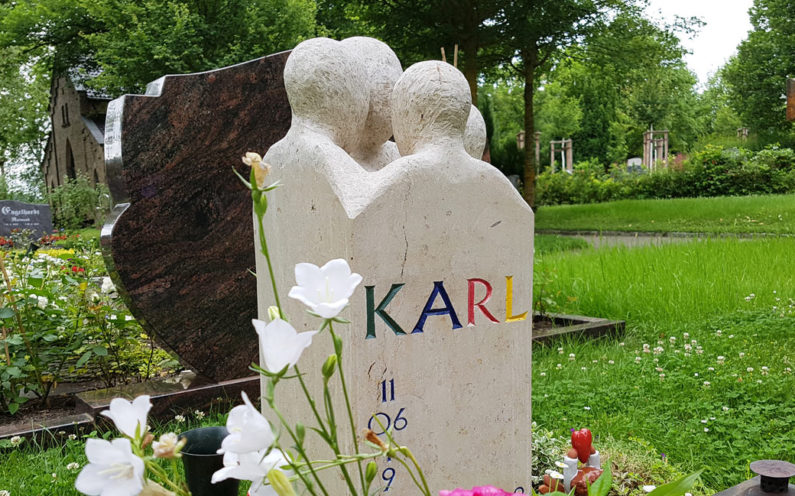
<point>384,392</point>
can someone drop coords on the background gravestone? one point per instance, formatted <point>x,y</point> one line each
<point>35,217</point>
<point>178,242</point>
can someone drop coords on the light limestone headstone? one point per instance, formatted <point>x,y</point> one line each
<point>440,344</point>
<point>383,68</point>
<point>475,134</point>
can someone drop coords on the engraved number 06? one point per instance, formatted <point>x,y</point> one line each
<point>385,421</point>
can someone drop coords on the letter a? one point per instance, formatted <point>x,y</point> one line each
<point>438,290</point>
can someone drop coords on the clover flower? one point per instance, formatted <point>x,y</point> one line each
<point>572,356</point>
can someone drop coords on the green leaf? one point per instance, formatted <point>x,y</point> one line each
<point>36,282</point>
<point>602,485</point>
<point>50,337</point>
<point>13,408</point>
<point>677,487</point>
<point>14,371</point>
<point>83,359</point>
<point>100,351</point>
<point>6,313</point>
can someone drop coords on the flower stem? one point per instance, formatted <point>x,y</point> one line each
<point>163,476</point>
<point>409,454</point>
<point>299,448</point>
<point>264,248</point>
<point>348,406</point>
<point>334,444</point>
<point>309,399</point>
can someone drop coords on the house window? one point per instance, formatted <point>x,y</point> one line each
<point>65,115</point>
<point>70,162</point>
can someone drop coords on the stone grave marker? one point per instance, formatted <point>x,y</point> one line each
<point>440,342</point>
<point>34,217</point>
<point>178,240</point>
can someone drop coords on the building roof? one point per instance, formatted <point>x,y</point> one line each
<point>79,75</point>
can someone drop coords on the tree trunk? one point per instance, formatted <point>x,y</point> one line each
<point>530,59</point>
<point>470,53</point>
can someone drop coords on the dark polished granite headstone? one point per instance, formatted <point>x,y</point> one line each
<point>179,243</point>
<point>34,217</point>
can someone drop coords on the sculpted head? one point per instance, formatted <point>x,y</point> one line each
<point>475,134</point>
<point>326,86</point>
<point>430,105</point>
<point>383,70</point>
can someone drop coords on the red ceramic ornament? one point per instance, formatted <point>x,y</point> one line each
<point>581,441</point>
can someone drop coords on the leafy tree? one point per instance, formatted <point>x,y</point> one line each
<point>23,116</point>
<point>133,42</point>
<point>418,30</point>
<point>756,76</point>
<point>538,30</point>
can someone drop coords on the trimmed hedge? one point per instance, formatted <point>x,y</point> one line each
<point>714,171</point>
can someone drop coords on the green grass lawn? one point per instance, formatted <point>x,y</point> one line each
<point>715,387</point>
<point>29,469</point>
<point>740,214</point>
<point>550,243</point>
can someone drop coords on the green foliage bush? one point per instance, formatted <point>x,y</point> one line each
<point>78,203</point>
<point>713,171</point>
<point>62,320</point>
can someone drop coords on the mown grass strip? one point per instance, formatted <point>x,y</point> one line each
<point>742,214</point>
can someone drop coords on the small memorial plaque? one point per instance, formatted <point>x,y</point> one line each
<point>34,217</point>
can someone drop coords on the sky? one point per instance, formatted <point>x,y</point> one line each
<point>727,24</point>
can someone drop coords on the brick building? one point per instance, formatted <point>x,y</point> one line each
<point>75,145</point>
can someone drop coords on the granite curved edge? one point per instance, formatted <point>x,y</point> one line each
<point>179,241</point>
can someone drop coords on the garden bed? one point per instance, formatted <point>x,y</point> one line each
<point>75,412</point>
